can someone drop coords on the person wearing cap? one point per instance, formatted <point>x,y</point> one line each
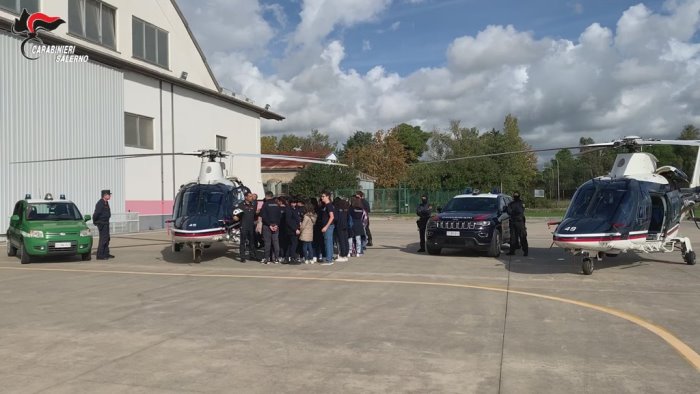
<point>101,220</point>
<point>518,232</point>
<point>424,210</point>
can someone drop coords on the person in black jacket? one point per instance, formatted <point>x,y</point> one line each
<point>271,215</point>
<point>101,218</point>
<point>341,229</point>
<point>518,232</point>
<point>247,218</point>
<point>365,204</point>
<point>424,210</point>
<point>292,222</point>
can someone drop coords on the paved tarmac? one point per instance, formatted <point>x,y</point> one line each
<point>150,321</point>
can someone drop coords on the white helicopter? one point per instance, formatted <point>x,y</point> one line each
<point>637,207</point>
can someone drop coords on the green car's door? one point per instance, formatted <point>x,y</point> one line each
<point>14,231</point>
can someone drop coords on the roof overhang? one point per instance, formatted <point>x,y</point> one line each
<point>113,61</point>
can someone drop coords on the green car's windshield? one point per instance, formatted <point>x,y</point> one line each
<point>53,211</point>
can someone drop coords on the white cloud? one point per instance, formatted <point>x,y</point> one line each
<point>643,77</point>
<point>218,26</point>
<point>395,26</point>
<point>320,17</point>
<point>494,47</point>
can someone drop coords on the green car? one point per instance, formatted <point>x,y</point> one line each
<point>48,228</point>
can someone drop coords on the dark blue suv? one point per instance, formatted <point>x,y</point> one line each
<point>470,221</point>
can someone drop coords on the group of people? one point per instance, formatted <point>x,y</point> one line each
<point>296,230</point>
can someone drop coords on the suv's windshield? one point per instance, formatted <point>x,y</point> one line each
<point>53,211</point>
<point>472,204</point>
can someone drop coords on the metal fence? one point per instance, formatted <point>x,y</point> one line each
<point>120,223</point>
<point>399,200</point>
<point>404,200</point>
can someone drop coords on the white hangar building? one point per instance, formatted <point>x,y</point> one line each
<point>147,88</point>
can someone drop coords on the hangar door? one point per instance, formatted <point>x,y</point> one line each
<point>56,110</point>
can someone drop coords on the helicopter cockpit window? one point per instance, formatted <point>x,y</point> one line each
<point>202,202</point>
<point>600,201</point>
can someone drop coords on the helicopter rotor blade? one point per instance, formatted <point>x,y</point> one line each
<point>500,154</point>
<point>669,142</point>
<point>202,153</point>
<point>289,158</point>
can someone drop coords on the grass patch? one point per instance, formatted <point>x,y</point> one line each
<point>545,212</point>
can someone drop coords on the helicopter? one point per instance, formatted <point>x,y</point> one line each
<point>637,207</point>
<point>203,211</point>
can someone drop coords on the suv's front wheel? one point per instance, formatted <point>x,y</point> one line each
<point>434,251</point>
<point>496,242</point>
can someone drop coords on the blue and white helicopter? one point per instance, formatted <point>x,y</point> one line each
<point>637,207</point>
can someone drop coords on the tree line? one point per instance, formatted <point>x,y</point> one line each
<point>397,157</point>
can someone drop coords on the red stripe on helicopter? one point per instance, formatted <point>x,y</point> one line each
<point>584,238</point>
<point>187,234</point>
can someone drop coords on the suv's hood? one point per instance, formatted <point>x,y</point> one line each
<point>466,216</point>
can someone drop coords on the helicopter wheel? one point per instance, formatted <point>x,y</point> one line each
<point>689,258</point>
<point>177,247</point>
<point>197,252</point>
<point>587,266</point>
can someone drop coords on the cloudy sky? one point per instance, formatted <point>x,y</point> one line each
<point>565,68</point>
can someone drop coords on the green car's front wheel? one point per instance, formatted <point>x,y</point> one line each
<point>24,257</point>
<point>11,250</point>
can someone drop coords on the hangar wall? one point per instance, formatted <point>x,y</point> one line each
<point>53,110</point>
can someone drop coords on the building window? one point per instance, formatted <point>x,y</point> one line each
<point>220,143</point>
<point>149,43</point>
<point>16,6</point>
<point>138,131</point>
<point>93,20</point>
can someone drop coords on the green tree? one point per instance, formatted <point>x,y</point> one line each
<point>360,138</point>
<point>511,172</point>
<point>318,142</point>
<point>687,154</point>
<point>290,143</point>
<point>318,177</point>
<point>384,159</point>
<point>268,144</point>
<point>414,140</point>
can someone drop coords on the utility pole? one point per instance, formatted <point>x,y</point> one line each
<point>558,193</point>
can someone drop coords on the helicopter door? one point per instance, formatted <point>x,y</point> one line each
<point>658,216</point>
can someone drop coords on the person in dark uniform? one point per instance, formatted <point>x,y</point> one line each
<point>247,219</point>
<point>101,220</point>
<point>424,210</point>
<point>518,232</point>
<point>291,222</point>
<point>368,210</point>
<point>271,218</point>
